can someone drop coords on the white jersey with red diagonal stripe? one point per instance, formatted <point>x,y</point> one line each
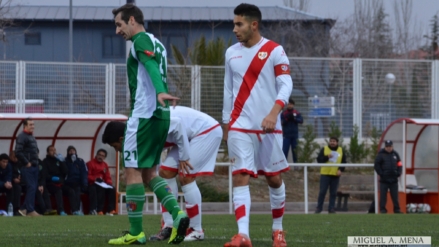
<point>194,136</point>
<point>255,79</point>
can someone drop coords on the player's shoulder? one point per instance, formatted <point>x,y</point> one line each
<point>142,38</point>
<point>233,48</point>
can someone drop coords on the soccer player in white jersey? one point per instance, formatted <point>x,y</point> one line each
<point>257,85</point>
<point>194,137</point>
<point>147,126</point>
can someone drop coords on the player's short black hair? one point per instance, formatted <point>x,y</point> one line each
<point>103,151</point>
<point>249,11</point>
<point>113,132</point>
<point>333,138</point>
<point>4,157</point>
<point>26,121</point>
<point>291,101</point>
<point>48,147</point>
<point>128,10</point>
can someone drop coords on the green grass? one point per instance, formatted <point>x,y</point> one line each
<point>302,230</point>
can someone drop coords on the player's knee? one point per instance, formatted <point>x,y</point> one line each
<point>167,174</point>
<point>274,181</point>
<point>186,180</point>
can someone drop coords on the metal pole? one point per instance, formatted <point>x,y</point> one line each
<point>305,187</point>
<point>70,58</point>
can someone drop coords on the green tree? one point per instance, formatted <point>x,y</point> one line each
<point>308,148</point>
<point>375,136</point>
<point>357,151</point>
<point>202,52</point>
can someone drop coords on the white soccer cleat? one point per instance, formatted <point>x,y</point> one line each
<point>193,235</point>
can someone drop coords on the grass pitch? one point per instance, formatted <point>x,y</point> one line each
<point>302,230</point>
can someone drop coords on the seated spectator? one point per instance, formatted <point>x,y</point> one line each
<point>6,179</point>
<point>18,185</point>
<point>76,177</point>
<point>56,173</point>
<point>98,172</point>
<point>42,197</point>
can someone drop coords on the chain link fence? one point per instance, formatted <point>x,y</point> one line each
<point>345,92</point>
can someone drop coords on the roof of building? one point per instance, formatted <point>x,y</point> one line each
<point>91,13</point>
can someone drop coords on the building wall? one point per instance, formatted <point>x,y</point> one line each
<point>97,42</point>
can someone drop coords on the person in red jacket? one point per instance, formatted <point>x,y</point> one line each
<point>100,185</point>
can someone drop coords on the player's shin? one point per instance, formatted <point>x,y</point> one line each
<point>277,200</point>
<point>135,198</point>
<point>242,202</point>
<point>192,196</point>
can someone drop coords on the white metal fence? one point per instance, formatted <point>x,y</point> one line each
<point>362,96</point>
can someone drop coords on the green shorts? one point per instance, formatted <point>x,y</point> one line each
<point>144,141</point>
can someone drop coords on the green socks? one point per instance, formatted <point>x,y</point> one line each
<point>165,196</point>
<point>135,199</point>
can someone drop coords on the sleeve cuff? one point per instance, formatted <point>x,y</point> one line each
<point>280,102</point>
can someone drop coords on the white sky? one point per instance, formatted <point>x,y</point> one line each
<point>423,10</point>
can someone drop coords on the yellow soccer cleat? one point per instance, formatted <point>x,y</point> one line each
<point>181,223</point>
<point>127,239</point>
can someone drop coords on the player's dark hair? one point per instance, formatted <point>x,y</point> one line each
<point>4,157</point>
<point>103,151</point>
<point>333,138</point>
<point>113,132</point>
<point>291,101</point>
<point>249,11</point>
<point>48,147</point>
<point>26,121</point>
<point>127,11</point>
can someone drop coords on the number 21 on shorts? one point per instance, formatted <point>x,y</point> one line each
<point>128,155</point>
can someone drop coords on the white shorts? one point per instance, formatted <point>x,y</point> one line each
<point>203,152</point>
<point>256,153</point>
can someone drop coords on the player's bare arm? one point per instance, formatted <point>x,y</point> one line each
<point>161,97</point>
<point>269,122</point>
<point>225,131</point>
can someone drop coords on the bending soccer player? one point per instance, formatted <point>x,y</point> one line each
<point>147,126</point>
<point>194,136</point>
<point>257,85</point>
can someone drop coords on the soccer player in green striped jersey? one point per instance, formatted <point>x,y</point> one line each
<point>147,126</point>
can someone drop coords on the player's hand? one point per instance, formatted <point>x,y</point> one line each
<point>161,97</point>
<point>329,155</point>
<point>269,123</point>
<point>28,165</point>
<point>184,167</point>
<point>8,185</point>
<point>225,132</point>
<point>338,173</point>
<point>41,189</point>
<point>16,180</point>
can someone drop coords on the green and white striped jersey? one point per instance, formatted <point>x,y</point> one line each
<point>147,69</point>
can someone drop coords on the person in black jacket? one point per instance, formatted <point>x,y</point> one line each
<point>18,185</point>
<point>44,205</point>
<point>76,177</point>
<point>388,166</point>
<point>290,119</point>
<point>26,150</point>
<point>6,179</point>
<point>56,174</point>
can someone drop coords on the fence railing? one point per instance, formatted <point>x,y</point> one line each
<point>363,96</point>
<point>305,183</point>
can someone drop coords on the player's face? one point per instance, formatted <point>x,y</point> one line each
<point>52,151</point>
<point>243,29</point>
<point>3,163</point>
<point>30,126</point>
<point>117,146</point>
<point>333,143</point>
<point>123,29</point>
<point>290,106</point>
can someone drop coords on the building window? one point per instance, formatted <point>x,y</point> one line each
<point>113,46</point>
<point>32,38</point>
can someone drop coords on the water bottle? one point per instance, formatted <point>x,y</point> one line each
<point>10,210</point>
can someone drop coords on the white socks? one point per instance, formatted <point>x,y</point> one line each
<point>242,203</point>
<point>192,196</point>
<point>277,200</point>
<point>167,217</point>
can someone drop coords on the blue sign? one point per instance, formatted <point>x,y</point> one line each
<point>322,112</point>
